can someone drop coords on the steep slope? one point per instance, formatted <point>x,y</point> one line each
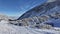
<point>43,9</point>
<point>38,21</point>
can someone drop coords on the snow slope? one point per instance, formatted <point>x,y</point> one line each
<point>6,28</point>
<point>44,9</point>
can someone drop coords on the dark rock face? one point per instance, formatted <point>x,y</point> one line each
<point>44,9</point>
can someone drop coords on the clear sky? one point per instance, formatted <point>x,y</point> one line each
<point>17,7</point>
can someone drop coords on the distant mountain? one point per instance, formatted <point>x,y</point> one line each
<point>44,9</point>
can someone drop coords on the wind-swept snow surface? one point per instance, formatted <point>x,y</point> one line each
<point>6,28</point>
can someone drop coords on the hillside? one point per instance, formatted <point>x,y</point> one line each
<point>42,19</point>
<point>44,9</point>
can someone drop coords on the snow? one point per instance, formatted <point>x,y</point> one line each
<point>6,28</point>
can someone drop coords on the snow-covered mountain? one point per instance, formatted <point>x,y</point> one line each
<point>44,19</point>
<point>44,9</point>
<point>48,8</point>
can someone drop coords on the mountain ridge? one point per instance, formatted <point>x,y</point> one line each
<point>39,10</point>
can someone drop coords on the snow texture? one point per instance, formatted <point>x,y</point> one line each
<point>6,28</point>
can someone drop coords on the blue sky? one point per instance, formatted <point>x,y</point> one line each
<point>17,7</point>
